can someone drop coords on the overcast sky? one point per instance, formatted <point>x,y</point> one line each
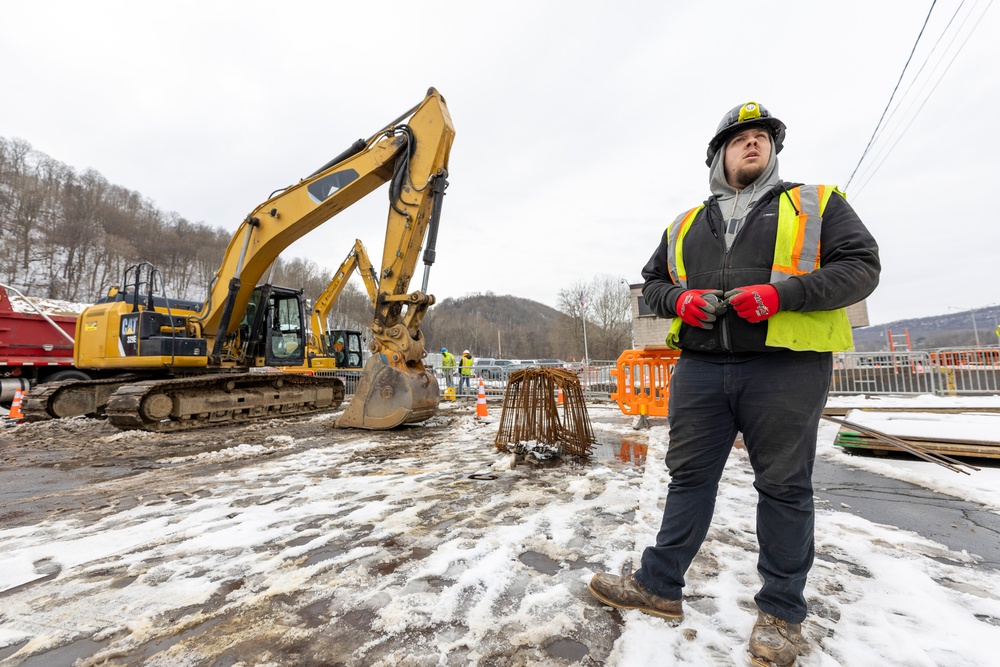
<point>580,127</point>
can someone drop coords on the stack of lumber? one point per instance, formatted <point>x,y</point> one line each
<point>966,434</point>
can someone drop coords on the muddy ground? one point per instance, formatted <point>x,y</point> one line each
<point>316,586</point>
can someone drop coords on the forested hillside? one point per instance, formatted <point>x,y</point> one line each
<point>70,236</point>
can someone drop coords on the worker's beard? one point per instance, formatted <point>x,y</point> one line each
<point>744,176</point>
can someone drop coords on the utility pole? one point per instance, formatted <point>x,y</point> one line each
<point>583,315</point>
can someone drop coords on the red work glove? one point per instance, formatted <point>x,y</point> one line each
<point>754,303</point>
<point>693,309</point>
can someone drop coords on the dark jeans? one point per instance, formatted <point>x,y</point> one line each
<point>776,401</point>
<point>464,381</point>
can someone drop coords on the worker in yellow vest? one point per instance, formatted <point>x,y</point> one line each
<point>756,280</point>
<point>465,372</point>
<point>448,367</point>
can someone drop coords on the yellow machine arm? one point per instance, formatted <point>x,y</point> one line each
<point>413,156</point>
<point>358,259</point>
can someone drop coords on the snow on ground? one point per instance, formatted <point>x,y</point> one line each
<point>382,550</point>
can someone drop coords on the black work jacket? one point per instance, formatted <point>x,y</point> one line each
<point>849,271</point>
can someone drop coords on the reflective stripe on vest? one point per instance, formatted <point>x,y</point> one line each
<point>796,253</point>
<point>800,222</point>
<point>676,232</point>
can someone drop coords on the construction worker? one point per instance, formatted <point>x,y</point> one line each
<point>755,280</point>
<point>465,379</point>
<point>448,366</point>
<point>338,352</point>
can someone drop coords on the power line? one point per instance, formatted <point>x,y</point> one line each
<point>917,112</point>
<point>909,89</point>
<point>934,2</point>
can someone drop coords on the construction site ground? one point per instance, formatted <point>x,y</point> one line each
<point>290,542</point>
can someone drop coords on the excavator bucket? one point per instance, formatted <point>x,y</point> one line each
<point>388,396</point>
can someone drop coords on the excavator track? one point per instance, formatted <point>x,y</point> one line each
<point>73,398</point>
<point>162,406</point>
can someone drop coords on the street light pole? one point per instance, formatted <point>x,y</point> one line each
<point>975,328</point>
<point>631,319</point>
<point>583,316</point>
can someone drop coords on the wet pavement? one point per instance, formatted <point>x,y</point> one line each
<point>958,524</point>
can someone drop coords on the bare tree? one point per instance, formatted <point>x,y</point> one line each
<point>602,306</point>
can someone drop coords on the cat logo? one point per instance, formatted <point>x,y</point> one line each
<point>128,339</point>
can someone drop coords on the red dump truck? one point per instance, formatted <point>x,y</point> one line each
<point>36,343</point>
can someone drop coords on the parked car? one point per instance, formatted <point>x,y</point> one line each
<point>520,364</point>
<point>491,369</point>
<point>556,363</point>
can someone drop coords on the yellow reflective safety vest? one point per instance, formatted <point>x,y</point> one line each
<point>796,253</point>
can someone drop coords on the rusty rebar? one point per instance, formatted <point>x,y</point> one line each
<point>531,416</point>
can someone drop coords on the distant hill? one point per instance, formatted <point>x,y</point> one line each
<point>491,325</point>
<point>954,329</point>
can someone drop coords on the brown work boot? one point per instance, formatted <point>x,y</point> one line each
<point>626,593</point>
<point>774,642</point>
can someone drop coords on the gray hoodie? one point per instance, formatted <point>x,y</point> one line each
<point>734,203</point>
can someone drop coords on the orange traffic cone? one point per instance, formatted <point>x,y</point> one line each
<point>559,398</point>
<point>15,413</point>
<point>481,400</point>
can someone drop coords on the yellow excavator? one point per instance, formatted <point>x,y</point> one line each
<point>185,365</point>
<point>329,349</point>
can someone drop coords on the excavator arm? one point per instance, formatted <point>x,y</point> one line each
<point>357,259</point>
<point>413,157</point>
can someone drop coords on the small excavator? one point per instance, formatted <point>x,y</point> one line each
<point>240,354</point>
<point>329,349</point>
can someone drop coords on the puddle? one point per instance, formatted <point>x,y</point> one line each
<point>360,619</point>
<point>123,582</point>
<point>162,644</point>
<point>540,562</point>
<point>321,555</point>
<point>625,450</point>
<point>316,614</point>
<point>438,582</point>
<point>567,649</point>
<point>65,655</point>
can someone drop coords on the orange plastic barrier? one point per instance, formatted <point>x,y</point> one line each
<point>643,378</point>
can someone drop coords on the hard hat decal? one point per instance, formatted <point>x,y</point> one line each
<point>749,111</point>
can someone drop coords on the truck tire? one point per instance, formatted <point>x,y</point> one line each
<point>62,376</point>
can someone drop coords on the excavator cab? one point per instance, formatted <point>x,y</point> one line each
<point>344,345</point>
<point>273,327</point>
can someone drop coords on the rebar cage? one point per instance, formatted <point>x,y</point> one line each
<point>531,416</point>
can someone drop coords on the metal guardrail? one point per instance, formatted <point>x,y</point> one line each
<point>596,381</point>
<point>972,371</point>
<point>952,372</point>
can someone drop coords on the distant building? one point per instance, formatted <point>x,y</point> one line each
<point>650,331</point>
